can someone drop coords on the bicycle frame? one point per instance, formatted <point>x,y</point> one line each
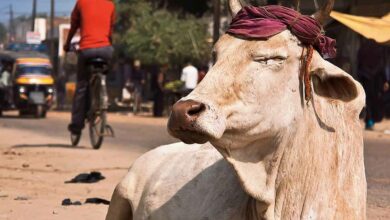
<point>98,105</point>
<point>98,89</point>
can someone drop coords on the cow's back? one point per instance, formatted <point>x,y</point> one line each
<point>182,181</point>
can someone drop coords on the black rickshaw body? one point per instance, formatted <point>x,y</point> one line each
<point>32,83</point>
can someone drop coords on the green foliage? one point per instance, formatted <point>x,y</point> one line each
<point>159,37</point>
<point>194,7</point>
<point>174,86</point>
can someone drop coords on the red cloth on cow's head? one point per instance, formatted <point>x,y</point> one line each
<point>264,22</point>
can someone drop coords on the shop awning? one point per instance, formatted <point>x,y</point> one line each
<point>377,29</point>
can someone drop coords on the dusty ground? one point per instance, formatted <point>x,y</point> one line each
<point>36,160</point>
<point>377,161</point>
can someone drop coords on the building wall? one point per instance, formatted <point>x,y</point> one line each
<point>24,26</point>
<point>40,27</point>
<point>21,28</point>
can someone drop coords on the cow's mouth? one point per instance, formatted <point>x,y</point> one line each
<point>194,122</point>
<point>191,136</point>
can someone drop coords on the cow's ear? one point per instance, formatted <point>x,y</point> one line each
<point>332,83</point>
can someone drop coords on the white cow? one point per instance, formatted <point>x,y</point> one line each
<point>282,158</point>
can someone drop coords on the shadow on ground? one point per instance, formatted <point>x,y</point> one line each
<point>31,117</point>
<point>51,145</point>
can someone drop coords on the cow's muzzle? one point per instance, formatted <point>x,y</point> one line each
<point>183,124</point>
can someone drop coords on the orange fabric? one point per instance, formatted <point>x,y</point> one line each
<point>95,19</point>
<point>304,74</point>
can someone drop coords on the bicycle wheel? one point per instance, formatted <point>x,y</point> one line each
<point>97,118</point>
<point>97,125</point>
<point>75,139</point>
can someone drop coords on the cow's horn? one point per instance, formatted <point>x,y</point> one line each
<point>323,14</point>
<point>235,6</point>
<point>297,4</point>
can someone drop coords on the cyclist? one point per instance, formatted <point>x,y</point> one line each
<point>95,19</point>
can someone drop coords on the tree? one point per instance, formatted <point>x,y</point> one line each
<point>159,37</point>
<point>194,7</point>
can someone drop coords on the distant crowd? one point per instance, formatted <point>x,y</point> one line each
<point>165,91</point>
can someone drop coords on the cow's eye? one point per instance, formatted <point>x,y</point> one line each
<point>278,58</point>
<point>270,60</point>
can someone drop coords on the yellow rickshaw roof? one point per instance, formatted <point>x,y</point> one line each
<point>33,61</point>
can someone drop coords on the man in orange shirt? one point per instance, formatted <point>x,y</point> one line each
<point>95,19</point>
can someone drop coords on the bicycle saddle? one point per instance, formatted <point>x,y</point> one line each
<point>97,61</point>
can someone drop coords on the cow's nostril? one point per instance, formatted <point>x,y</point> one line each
<point>184,115</point>
<point>196,109</point>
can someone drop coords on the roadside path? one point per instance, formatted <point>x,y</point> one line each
<point>36,159</point>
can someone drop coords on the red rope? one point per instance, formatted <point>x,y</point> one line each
<point>304,73</point>
<point>307,78</point>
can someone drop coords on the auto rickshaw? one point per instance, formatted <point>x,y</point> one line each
<point>32,83</point>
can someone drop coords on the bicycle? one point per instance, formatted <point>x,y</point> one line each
<point>97,114</point>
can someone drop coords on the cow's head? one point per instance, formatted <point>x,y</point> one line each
<point>251,106</point>
<point>253,91</point>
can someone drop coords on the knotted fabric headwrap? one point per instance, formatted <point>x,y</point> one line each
<point>264,22</point>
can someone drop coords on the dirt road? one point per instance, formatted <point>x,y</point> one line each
<point>36,160</point>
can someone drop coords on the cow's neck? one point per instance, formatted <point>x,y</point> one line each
<point>308,173</point>
<point>257,167</point>
<point>307,164</point>
<point>307,170</point>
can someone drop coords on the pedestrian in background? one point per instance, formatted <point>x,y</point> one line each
<point>387,85</point>
<point>137,78</point>
<point>127,86</point>
<point>126,71</point>
<point>6,84</point>
<point>5,77</point>
<point>158,107</point>
<point>189,76</point>
<point>371,73</point>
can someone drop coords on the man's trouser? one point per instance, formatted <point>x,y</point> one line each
<point>81,96</point>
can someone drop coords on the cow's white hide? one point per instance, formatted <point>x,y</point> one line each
<point>293,160</point>
<point>180,181</point>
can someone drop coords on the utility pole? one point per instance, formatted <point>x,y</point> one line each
<point>217,20</point>
<point>33,16</point>
<point>217,24</point>
<point>52,17</point>
<point>11,23</point>
<point>52,41</point>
